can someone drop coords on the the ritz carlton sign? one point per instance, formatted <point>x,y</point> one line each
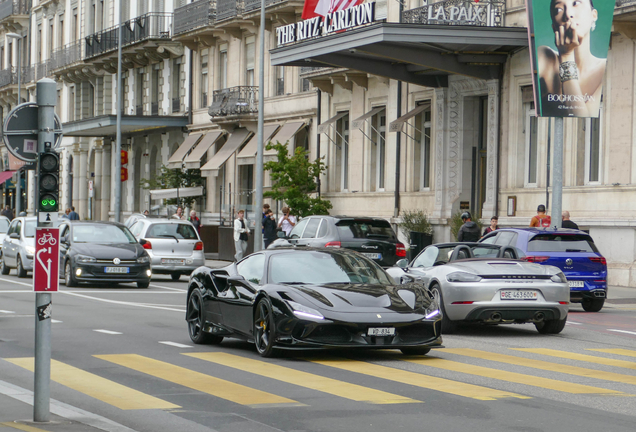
<point>331,23</point>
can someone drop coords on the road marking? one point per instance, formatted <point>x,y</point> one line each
<point>22,427</point>
<point>574,323</point>
<point>544,365</point>
<point>623,331</point>
<point>6,312</point>
<point>218,387</point>
<point>420,380</point>
<point>303,379</point>
<point>580,357</point>
<point>17,283</point>
<point>54,321</point>
<point>514,377</point>
<point>169,288</point>
<point>110,332</point>
<point>122,302</point>
<point>105,390</point>
<point>175,344</point>
<point>619,351</point>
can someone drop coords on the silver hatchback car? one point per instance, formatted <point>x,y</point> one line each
<point>18,246</point>
<point>174,245</point>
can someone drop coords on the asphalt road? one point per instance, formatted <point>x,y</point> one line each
<point>124,354</point>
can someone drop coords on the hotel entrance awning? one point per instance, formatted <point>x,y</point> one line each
<point>193,160</point>
<point>106,125</point>
<point>416,53</point>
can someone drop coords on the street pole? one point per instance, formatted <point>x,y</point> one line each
<point>258,236</point>
<point>117,173</point>
<point>18,187</point>
<point>557,181</point>
<point>46,98</point>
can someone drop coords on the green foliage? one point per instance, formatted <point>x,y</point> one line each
<point>456,223</point>
<point>294,180</point>
<point>415,220</point>
<point>172,178</point>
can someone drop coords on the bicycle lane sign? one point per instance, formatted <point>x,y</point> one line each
<point>46,262</point>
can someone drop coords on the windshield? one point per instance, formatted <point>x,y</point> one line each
<point>102,234</point>
<point>562,243</point>
<point>323,268</point>
<point>365,228</point>
<point>4,225</point>
<point>172,230</point>
<point>31,225</point>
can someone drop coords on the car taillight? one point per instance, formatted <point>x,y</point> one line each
<point>600,280</point>
<point>463,302</point>
<point>601,260</point>
<point>400,250</point>
<point>333,244</point>
<point>537,259</point>
<point>145,244</point>
<point>198,246</point>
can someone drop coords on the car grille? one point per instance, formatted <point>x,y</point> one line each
<point>110,261</point>
<point>332,334</point>
<point>414,333</point>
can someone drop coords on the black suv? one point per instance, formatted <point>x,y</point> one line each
<point>372,237</point>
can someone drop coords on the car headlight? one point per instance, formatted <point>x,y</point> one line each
<point>304,312</point>
<point>559,278</point>
<point>30,249</point>
<point>462,277</point>
<point>85,259</point>
<point>143,259</point>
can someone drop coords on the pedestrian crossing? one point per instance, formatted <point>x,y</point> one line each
<point>297,382</point>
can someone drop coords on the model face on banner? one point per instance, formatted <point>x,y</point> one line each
<point>572,40</point>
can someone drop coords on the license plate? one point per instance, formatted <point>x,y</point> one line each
<point>381,331</point>
<point>576,284</point>
<point>172,261</point>
<point>375,256</point>
<point>117,269</point>
<point>519,295</point>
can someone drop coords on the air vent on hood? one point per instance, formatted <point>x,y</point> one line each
<point>284,296</point>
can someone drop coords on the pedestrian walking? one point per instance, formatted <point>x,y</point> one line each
<point>493,225</point>
<point>241,233</point>
<point>566,222</point>
<point>7,212</point>
<point>66,213</point>
<point>469,231</point>
<point>194,220</point>
<point>287,221</point>
<point>269,228</point>
<point>265,209</point>
<point>73,215</point>
<point>178,214</point>
<point>541,219</point>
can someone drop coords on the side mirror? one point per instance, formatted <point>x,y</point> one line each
<point>403,263</point>
<point>14,236</point>
<point>280,234</point>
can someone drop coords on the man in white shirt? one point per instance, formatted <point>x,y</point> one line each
<point>287,221</point>
<point>241,233</point>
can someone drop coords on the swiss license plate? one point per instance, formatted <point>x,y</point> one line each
<point>117,269</point>
<point>381,331</point>
<point>375,256</point>
<point>576,284</point>
<point>172,261</point>
<point>519,295</point>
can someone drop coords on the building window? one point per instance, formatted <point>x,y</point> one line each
<point>204,80</point>
<point>249,60</point>
<point>342,153</point>
<point>280,80</point>
<point>377,135</point>
<point>176,85</point>
<point>422,150</point>
<point>51,37</point>
<point>91,100</point>
<point>58,103</point>
<point>154,97</point>
<point>593,140</point>
<point>246,179</point>
<point>531,137</point>
<point>2,58</point>
<point>74,26</point>
<point>139,96</point>
<point>305,85</point>
<point>223,67</point>
<point>60,31</point>
<point>71,104</point>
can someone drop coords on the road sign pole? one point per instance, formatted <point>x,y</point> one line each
<point>557,182</point>
<point>46,98</point>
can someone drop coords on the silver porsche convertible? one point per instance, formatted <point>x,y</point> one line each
<point>489,284</point>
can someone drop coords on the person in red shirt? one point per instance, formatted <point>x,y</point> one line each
<point>541,219</point>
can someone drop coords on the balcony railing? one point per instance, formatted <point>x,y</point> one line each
<point>10,76</point>
<point>251,5</point>
<point>153,25</point>
<point>70,54</point>
<point>234,101</point>
<point>195,15</point>
<point>14,7</point>
<point>492,16</point>
<point>226,9</point>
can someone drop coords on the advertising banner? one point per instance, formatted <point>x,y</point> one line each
<point>569,41</point>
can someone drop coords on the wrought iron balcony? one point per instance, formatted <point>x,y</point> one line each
<point>226,9</point>
<point>153,25</point>
<point>14,7</point>
<point>10,76</point>
<point>492,16</point>
<point>198,14</point>
<point>234,101</point>
<point>71,53</point>
<point>251,5</point>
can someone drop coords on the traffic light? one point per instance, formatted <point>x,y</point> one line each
<point>124,174</point>
<point>49,175</point>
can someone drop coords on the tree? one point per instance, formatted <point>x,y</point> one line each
<point>175,178</point>
<point>294,181</point>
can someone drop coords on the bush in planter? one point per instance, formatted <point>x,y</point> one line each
<point>456,223</point>
<point>415,220</point>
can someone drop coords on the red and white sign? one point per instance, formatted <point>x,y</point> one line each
<point>46,262</point>
<point>314,8</point>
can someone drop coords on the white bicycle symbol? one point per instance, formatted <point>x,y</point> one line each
<point>47,238</point>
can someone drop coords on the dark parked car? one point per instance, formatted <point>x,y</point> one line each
<point>573,251</point>
<point>98,252</point>
<point>312,298</point>
<point>372,237</point>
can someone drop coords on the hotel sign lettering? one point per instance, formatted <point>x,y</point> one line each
<point>486,13</point>
<point>331,23</point>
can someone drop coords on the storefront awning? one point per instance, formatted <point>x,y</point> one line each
<point>357,123</point>
<point>176,159</point>
<point>287,132</point>
<point>193,160</point>
<point>247,156</point>
<point>324,126</point>
<point>398,124</point>
<point>106,125</point>
<point>234,142</point>
<point>5,175</point>
<point>176,192</point>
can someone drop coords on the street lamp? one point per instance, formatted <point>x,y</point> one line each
<point>18,191</point>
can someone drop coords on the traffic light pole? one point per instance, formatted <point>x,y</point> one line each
<point>46,98</point>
